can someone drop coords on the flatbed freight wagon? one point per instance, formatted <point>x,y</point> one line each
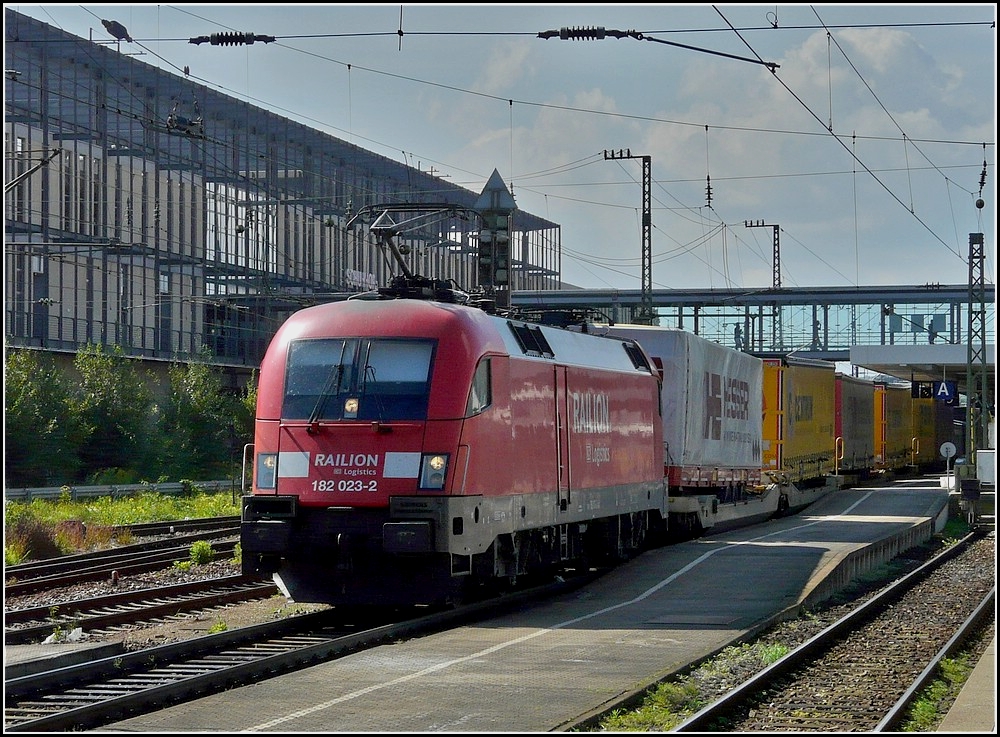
<point>711,404</point>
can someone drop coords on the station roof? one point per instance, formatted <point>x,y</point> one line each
<point>945,362</point>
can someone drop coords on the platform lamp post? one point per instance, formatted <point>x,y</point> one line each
<point>495,206</point>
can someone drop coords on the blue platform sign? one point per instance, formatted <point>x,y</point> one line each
<point>944,391</point>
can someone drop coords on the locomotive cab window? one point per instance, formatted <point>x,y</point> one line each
<point>481,392</point>
<point>363,379</point>
<point>638,358</point>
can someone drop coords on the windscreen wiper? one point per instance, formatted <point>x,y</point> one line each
<point>332,383</point>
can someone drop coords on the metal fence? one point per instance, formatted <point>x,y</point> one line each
<point>117,491</point>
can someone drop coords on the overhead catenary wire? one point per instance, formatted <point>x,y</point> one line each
<point>512,101</point>
<point>872,174</point>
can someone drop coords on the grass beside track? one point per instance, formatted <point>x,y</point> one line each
<point>42,528</point>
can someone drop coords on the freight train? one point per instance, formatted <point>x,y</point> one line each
<point>411,450</point>
<point>408,449</point>
<point>910,427</point>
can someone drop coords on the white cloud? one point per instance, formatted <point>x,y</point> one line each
<point>443,99</point>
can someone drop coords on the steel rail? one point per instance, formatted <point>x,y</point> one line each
<point>123,564</point>
<point>704,719</point>
<point>131,607</point>
<point>91,694</point>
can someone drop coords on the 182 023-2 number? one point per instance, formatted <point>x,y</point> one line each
<point>345,485</point>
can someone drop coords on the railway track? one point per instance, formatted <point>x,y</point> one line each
<point>102,613</point>
<point>93,694</point>
<point>174,527</point>
<point>863,671</point>
<point>26,578</point>
<point>239,660</point>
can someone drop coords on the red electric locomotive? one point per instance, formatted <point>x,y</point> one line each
<point>408,449</point>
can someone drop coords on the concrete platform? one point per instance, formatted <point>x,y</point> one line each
<point>975,709</point>
<point>25,660</point>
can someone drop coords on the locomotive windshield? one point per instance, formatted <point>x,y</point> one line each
<point>357,379</point>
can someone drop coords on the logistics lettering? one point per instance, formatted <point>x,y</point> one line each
<point>724,397</point>
<point>347,460</point>
<point>803,408</point>
<point>737,399</point>
<point>598,454</point>
<point>349,464</point>
<point>591,413</point>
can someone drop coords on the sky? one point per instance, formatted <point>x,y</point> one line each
<point>865,133</point>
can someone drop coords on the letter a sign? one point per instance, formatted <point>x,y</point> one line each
<point>944,391</point>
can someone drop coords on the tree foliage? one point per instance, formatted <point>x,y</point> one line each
<point>114,406</point>
<point>198,423</point>
<point>101,424</point>
<point>41,434</point>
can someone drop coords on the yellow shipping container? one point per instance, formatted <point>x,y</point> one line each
<point>932,426</point>
<point>799,414</point>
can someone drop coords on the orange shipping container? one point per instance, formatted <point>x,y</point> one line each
<point>893,425</point>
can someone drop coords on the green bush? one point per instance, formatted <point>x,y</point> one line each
<point>101,422</point>
<point>201,552</point>
<point>935,698</point>
<point>114,477</point>
<point>14,552</point>
<point>29,538</point>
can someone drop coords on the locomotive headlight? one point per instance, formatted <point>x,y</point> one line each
<point>433,468</point>
<point>351,408</point>
<point>267,469</point>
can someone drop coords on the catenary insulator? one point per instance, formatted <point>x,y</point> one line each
<point>582,33</point>
<point>233,39</point>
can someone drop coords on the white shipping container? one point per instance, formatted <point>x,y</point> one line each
<point>712,398</point>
